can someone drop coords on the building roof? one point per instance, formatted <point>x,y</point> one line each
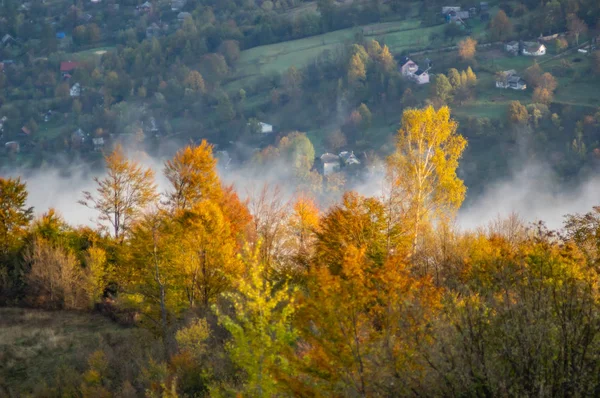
<point>60,35</point>
<point>329,158</point>
<point>25,130</point>
<point>404,61</point>
<point>68,66</point>
<point>533,47</point>
<point>420,72</point>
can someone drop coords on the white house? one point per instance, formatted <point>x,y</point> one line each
<point>534,49</point>
<point>98,143</point>
<point>512,47</point>
<point>265,128</point>
<point>75,90</point>
<point>331,163</point>
<point>407,67</point>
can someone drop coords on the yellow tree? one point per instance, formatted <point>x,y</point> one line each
<point>428,148</point>
<point>467,48</point>
<point>359,328</point>
<point>121,196</point>
<point>302,226</point>
<point>208,259</point>
<point>193,176</point>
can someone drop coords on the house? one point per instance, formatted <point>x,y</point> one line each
<point>484,6</point>
<point>78,137</point>
<point>348,158</point>
<point>330,163</point>
<point>510,79</point>
<point>407,67</point>
<point>534,49</point>
<point>457,16</point>
<point>421,76</point>
<point>145,8</point>
<point>75,90</point>
<point>183,15</point>
<point>98,144</point>
<point>67,67</point>
<point>7,39</point>
<point>12,147</point>
<point>512,47</point>
<point>265,128</point>
<point>472,11</point>
<point>156,30</point>
<point>177,5</point>
<point>447,10</point>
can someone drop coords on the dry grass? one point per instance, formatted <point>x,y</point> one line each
<point>37,346</point>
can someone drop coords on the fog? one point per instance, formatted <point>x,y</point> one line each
<point>532,192</point>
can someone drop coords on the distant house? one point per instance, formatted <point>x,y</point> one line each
<point>457,16</point>
<point>7,39</point>
<point>348,158</point>
<point>183,15</point>
<point>510,79</point>
<point>534,49</point>
<point>484,6</point>
<point>98,144</point>
<point>145,8</point>
<point>421,76</point>
<point>330,163</point>
<point>448,9</point>
<point>78,137</point>
<point>75,90</point>
<point>512,47</point>
<point>12,147</point>
<point>407,67</point>
<point>67,67</point>
<point>177,5</point>
<point>265,128</point>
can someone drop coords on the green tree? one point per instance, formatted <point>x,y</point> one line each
<point>442,88</point>
<point>260,328</point>
<point>15,216</point>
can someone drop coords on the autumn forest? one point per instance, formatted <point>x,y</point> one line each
<point>213,295</point>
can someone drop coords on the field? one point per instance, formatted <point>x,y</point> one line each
<point>40,348</point>
<point>277,58</point>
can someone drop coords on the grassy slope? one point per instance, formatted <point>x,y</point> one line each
<point>35,344</point>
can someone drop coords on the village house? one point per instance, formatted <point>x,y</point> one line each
<point>67,67</point>
<point>265,128</point>
<point>421,76</point>
<point>177,5</point>
<point>12,147</point>
<point>330,163</point>
<point>348,158</point>
<point>75,90</point>
<point>510,79</point>
<point>512,47</point>
<point>407,67</point>
<point>534,49</point>
<point>78,138</point>
<point>98,144</point>
<point>7,40</point>
<point>144,8</point>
